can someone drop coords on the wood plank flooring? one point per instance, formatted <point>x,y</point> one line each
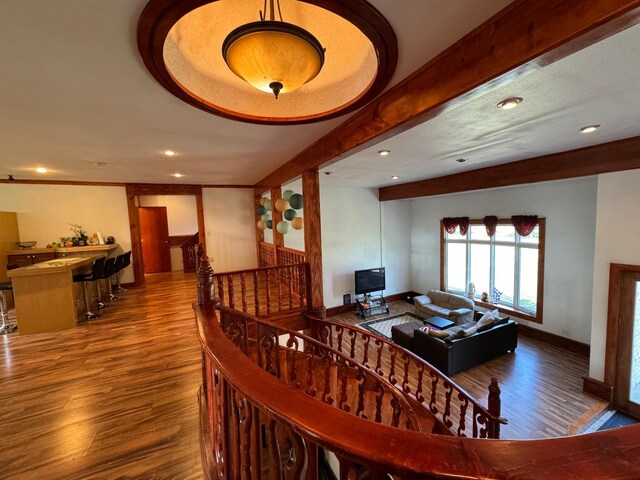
<point>113,398</point>
<point>116,398</point>
<point>541,385</point>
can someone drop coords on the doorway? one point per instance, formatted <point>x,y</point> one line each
<point>627,379</point>
<point>154,237</point>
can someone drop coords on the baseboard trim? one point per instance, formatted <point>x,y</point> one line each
<point>340,309</point>
<point>597,388</point>
<point>555,340</point>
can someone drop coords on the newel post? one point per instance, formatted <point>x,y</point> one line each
<point>206,294</point>
<point>495,405</point>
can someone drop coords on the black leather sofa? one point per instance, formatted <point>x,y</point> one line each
<point>451,357</point>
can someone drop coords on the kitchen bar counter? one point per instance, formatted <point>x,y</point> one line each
<point>45,295</point>
<point>85,249</point>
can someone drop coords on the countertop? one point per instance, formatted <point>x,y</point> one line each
<point>52,266</point>
<point>88,248</point>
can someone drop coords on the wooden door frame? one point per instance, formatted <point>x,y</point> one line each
<point>134,190</point>
<point>616,271</point>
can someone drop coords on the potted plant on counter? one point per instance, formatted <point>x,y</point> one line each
<point>80,236</point>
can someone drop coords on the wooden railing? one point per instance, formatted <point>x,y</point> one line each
<point>264,291</point>
<point>267,254</point>
<point>321,372</point>
<point>270,255</point>
<point>189,253</point>
<point>254,425</point>
<point>454,407</point>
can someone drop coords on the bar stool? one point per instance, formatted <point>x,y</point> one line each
<point>109,271</point>
<point>119,267</point>
<point>6,327</point>
<point>97,270</point>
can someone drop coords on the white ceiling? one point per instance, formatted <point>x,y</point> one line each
<point>75,93</point>
<point>598,85</point>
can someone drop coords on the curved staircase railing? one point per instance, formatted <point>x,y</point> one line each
<point>321,372</point>
<point>445,399</point>
<point>255,426</point>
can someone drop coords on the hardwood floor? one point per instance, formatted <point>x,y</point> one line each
<point>541,385</point>
<point>113,398</point>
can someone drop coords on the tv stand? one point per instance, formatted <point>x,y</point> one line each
<point>370,305</point>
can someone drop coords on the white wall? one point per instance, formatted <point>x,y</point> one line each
<point>182,211</point>
<point>617,241</point>
<point>396,245</point>
<point>45,211</point>
<point>569,207</point>
<point>230,229</point>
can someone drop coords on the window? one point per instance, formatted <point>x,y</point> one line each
<point>507,262</point>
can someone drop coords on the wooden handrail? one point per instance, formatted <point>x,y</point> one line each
<point>263,342</point>
<point>234,383</point>
<point>405,368</point>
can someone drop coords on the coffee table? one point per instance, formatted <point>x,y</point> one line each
<point>439,322</point>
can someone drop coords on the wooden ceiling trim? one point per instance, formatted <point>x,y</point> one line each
<point>604,158</point>
<point>158,186</point>
<point>524,37</point>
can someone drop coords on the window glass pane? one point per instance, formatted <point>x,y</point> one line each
<point>456,266</point>
<point>455,235</point>
<point>504,271</point>
<point>478,232</point>
<point>528,279</point>
<point>480,267</point>
<point>505,233</point>
<point>533,237</point>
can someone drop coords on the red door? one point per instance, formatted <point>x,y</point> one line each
<point>154,233</point>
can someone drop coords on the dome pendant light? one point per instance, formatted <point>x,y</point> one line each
<point>272,55</point>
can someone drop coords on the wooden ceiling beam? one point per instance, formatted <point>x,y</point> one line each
<point>523,37</point>
<point>606,157</point>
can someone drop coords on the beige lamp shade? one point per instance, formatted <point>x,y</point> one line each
<point>297,223</point>
<point>281,205</point>
<point>273,56</point>
<point>263,201</point>
<point>261,225</point>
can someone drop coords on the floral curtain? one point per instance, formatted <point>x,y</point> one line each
<point>524,224</point>
<point>491,223</point>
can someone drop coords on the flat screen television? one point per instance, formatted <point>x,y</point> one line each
<point>370,280</point>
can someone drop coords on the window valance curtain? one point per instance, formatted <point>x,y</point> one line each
<point>450,224</point>
<point>524,224</point>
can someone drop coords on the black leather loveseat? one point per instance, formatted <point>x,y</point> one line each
<point>453,356</point>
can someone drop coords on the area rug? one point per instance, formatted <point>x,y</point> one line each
<point>618,419</point>
<point>382,326</point>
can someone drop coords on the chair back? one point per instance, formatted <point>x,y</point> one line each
<point>109,267</point>
<point>97,269</point>
<point>127,259</point>
<point>119,262</point>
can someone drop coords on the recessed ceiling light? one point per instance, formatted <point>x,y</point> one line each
<point>509,103</point>
<point>589,128</point>
<point>395,177</point>
<point>169,153</point>
<point>41,170</point>
<point>461,160</point>
<point>384,153</point>
<point>177,175</point>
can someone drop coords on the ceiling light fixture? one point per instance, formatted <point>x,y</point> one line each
<point>509,103</point>
<point>272,55</point>
<point>395,177</point>
<point>169,153</point>
<point>384,153</point>
<point>41,170</point>
<point>589,128</point>
<point>461,160</point>
<point>328,173</point>
<point>177,175</point>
